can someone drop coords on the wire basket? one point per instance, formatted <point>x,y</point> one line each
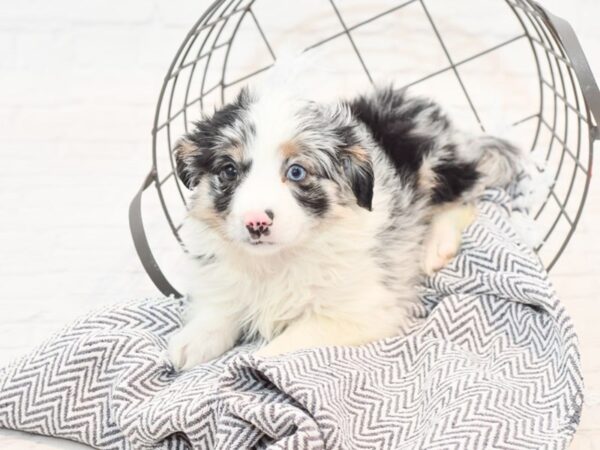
<point>522,74</point>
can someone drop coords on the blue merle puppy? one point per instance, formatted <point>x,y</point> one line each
<point>310,224</point>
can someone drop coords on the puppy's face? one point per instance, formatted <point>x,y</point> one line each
<point>268,172</point>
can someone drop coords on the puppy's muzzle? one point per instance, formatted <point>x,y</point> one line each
<point>258,223</point>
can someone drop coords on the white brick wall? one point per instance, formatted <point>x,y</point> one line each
<point>78,84</point>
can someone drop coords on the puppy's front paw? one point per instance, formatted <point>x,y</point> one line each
<point>190,347</point>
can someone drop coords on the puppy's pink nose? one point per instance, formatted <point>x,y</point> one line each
<point>258,222</point>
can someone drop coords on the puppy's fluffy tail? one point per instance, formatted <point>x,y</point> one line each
<point>503,165</point>
<point>498,161</point>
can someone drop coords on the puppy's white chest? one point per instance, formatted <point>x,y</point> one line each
<point>272,301</point>
<point>331,289</point>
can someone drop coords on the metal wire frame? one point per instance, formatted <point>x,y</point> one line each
<point>561,72</point>
<point>545,48</point>
<point>222,19</point>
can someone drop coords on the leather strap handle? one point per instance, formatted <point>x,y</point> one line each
<point>138,233</point>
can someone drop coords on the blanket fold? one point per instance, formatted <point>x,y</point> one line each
<point>492,363</point>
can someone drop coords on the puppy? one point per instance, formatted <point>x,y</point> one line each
<point>311,224</point>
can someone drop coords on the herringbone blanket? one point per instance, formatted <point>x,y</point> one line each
<point>493,364</point>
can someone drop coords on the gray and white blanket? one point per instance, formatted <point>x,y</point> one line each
<point>493,364</point>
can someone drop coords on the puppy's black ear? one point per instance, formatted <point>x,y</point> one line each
<point>186,156</point>
<point>359,171</point>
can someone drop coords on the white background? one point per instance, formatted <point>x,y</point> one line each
<point>79,81</point>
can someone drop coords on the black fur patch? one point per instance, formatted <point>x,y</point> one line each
<point>186,176</point>
<point>391,120</point>
<point>312,197</point>
<point>453,179</point>
<point>221,195</point>
<point>209,131</point>
<point>221,190</point>
<point>210,142</point>
<point>359,172</point>
<point>390,124</point>
<point>362,180</point>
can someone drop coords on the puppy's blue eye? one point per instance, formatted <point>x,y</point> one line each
<point>296,173</point>
<point>229,172</point>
